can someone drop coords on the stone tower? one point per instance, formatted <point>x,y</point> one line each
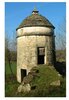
<point>35,44</point>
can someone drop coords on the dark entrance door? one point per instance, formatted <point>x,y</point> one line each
<point>41,59</point>
<point>41,54</point>
<point>23,74</point>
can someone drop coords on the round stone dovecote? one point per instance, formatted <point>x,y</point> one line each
<point>35,44</point>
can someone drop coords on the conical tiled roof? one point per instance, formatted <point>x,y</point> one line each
<point>35,19</point>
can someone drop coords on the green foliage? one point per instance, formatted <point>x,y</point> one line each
<point>63,86</point>
<point>61,55</point>
<point>7,69</point>
<point>46,75</point>
<point>13,55</point>
<point>11,86</point>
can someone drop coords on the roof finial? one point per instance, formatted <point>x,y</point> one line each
<point>35,11</point>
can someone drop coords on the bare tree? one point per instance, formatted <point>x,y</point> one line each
<point>8,53</point>
<point>13,43</point>
<point>61,36</point>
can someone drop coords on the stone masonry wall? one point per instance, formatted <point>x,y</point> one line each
<point>27,51</point>
<point>50,50</point>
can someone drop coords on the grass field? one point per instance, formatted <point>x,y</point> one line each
<point>47,75</point>
<point>7,68</point>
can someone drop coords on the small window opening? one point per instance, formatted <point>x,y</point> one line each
<point>23,74</point>
<point>41,54</point>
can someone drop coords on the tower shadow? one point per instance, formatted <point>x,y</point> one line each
<point>61,68</point>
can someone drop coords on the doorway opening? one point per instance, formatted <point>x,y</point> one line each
<point>41,54</point>
<point>23,74</point>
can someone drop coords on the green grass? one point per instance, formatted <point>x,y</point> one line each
<point>46,75</point>
<point>7,68</point>
<point>61,55</point>
<point>11,83</point>
<point>11,86</point>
